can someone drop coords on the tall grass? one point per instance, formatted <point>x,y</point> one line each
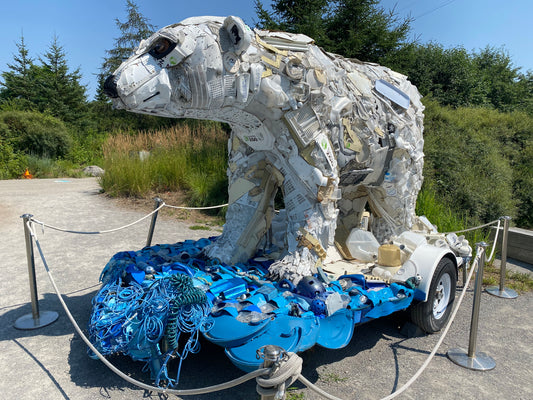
<point>446,219</point>
<point>186,158</point>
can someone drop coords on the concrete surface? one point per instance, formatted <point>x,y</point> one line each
<point>51,362</point>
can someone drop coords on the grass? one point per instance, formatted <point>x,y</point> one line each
<point>199,228</point>
<point>520,282</point>
<point>332,378</point>
<point>293,395</point>
<point>50,168</point>
<point>193,160</point>
<point>446,220</point>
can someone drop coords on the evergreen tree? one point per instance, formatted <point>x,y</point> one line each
<point>133,30</point>
<point>295,16</point>
<point>363,30</point>
<point>59,90</point>
<point>352,28</point>
<point>17,82</point>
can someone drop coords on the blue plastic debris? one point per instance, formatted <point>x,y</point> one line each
<point>155,302</point>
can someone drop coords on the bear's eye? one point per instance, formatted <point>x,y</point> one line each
<point>161,48</point>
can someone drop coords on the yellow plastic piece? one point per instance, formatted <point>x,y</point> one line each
<point>266,73</point>
<point>275,63</point>
<point>320,76</point>
<point>312,243</point>
<point>389,255</point>
<point>355,144</point>
<point>270,47</point>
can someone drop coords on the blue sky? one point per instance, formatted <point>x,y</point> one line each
<point>87,28</point>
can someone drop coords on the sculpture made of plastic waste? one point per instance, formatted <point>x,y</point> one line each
<point>335,135</point>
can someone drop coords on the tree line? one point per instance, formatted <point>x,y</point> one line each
<point>45,113</point>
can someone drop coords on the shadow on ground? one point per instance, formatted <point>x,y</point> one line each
<point>209,367</point>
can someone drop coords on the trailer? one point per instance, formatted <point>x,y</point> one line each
<point>154,303</point>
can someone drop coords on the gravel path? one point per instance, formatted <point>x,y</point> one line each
<point>51,362</point>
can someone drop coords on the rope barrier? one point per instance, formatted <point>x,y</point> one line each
<point>267,384</point>
<point>197,208</point>
<point>142,385</point>
<point>321,392</point>
<point>441,339</point>
<point>475,228</point>
<point>36,221</point>
<point>97,232</point>
<point>495,241</point>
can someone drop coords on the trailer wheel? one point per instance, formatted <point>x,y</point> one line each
<point>432,315</point>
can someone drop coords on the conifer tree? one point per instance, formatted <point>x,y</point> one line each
<point>59,90</point>
<point>133,30</point>
<point>17,82</point>
<point>352,28</point>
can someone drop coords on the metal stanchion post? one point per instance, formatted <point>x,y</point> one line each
<point>502,291</point>
<point>272,354</point>
<point>465,272</point>
<point>158,203</point>
<point>472,359</point>
<point>36,319</point>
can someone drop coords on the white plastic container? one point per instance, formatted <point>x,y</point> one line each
<point>362,245</point>
<point>412,239</point>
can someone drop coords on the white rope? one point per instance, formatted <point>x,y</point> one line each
<point>495,241</point>
<point>197,208</point>
<point>183,392</point>
<point>474,228</point>
<point>441,339</point>
<point>257,372</point>
<point>97,232</point>
<point>125,226</point>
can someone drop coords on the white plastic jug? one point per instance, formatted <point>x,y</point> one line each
<point>362,245</point>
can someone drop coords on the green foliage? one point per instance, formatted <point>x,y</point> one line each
<point>523,185</point>
<point>353,28</point>
<point>12,164</point>
<point>35,133</point>
<point>44,167</point>
<point>57,89</point>
<point>521,282</point>
<point>296,16</point>
<point>193,160</point>
<point>444,218</point>
<point>460,78</point>
<point>363,30</point>
<point>471,160</point>
<point>17,82</point>
<point>48,88</point>
<point>132,31</point>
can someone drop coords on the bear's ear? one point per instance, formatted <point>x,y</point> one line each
<point>239,33</point>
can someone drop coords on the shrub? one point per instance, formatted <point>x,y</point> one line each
<point>12,165</point>
<point>469,157</point>
<point>35,133</point>
<point>186,158</point>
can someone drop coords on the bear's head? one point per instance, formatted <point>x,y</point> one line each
<point>186,66</point>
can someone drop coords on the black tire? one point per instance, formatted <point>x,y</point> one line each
<point>433,314</point>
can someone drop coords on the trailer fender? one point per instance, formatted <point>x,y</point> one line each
<point>422,264</point>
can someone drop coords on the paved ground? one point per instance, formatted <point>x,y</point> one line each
<point>51,362</point>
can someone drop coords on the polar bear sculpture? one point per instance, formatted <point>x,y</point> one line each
<point>334,134</point>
